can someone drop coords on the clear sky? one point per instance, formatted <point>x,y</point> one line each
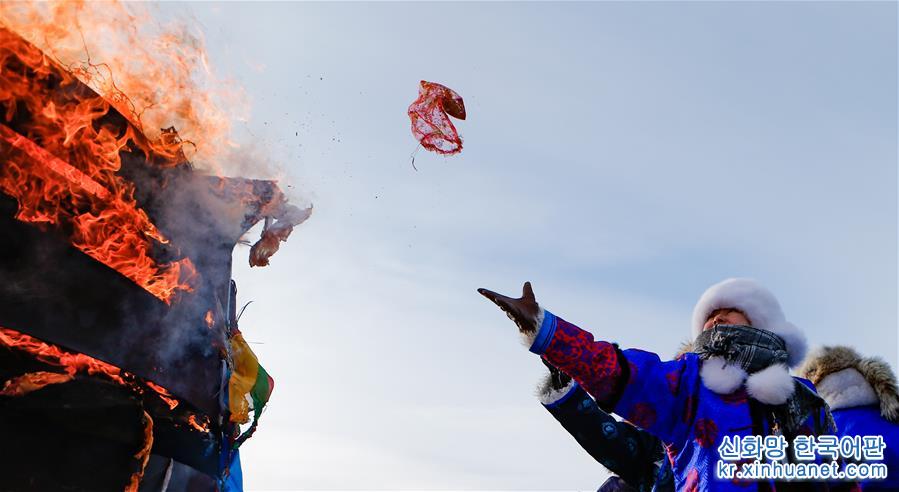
<point>621,156</point>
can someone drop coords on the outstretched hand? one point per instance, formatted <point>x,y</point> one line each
<point>523,311</point>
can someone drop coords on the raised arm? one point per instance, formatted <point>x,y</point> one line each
<point>654,395</point>
<point>630,453</point>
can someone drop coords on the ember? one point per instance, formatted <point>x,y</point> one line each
<point>163,394</point>
<point>200,426</point>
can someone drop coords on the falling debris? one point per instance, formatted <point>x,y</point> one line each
<point>430,118</point>
<point>276,229</point>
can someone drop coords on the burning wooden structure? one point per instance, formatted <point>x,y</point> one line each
<point>117,308</point>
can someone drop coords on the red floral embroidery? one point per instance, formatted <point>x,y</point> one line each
<point>689,408</point>
<point>738,397</point>
<point>673,378</point>
<point>706,432</point>
<point>643,415</point>
<point>593,364</point>
<point>691,484</point>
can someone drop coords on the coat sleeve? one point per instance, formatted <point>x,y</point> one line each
<point>626,451</point>
<point>657,396</point>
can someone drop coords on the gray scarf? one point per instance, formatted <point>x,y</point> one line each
<point>744,346</point>
<point>752,350</point>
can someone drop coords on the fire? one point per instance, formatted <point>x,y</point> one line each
<point>142,455</point>
<point>33,381</point>
<point>164,394</point>
<point>210,320</point>
<point>202,425</point>
<point>71,363</point>
<point>157,74</point>
<point>61,161</point>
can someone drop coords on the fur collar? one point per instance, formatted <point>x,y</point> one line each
<point>685,347</point>
<point>846,388</point>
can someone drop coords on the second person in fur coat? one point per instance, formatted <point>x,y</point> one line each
<point>862,394</point>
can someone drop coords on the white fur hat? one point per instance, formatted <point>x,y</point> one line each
<point>758,304</point>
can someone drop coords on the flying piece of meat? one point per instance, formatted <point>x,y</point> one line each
<point>430,118</point>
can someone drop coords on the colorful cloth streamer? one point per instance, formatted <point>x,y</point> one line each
<point>249,387</point>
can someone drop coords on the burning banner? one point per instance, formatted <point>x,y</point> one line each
<point>118,327</point>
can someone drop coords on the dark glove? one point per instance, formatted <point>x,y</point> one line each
<point>523,311</point>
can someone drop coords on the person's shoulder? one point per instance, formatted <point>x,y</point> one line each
<point>639,355</point>
<point>806,382</point>
<point>688,356</point>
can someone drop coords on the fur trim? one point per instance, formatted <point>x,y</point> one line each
<point>527,339</point>
<point>721,377</point>
<point>772,385</point>
<point>846,389</point>
<point>876,372</point>
<point>549,395</point>
<point>880,376</point>
<point>828,360</point>
<point>685,348</point>
<point>758,304</point>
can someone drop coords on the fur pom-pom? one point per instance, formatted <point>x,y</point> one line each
<point>720,376</point>
<point>772,385</point>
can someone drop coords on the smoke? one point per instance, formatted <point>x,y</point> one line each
<point>154,71</point>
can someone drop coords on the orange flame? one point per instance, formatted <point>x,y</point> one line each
<point>71,363</point>
<point>62,171</point>
<point>33,381</point>
<point>156,74</point>
<point>210,320</point>
<point>164,394</point>
<point>142,455</point>
<point>202,426</point>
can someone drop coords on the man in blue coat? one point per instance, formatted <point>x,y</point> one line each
<point>737,383</point>
<point>864,399</point>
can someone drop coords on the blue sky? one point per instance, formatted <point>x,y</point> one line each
<point>621,156</point>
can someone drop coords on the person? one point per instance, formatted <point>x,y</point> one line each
<point>635,457</point>
<point>863,396</point>
<point>736,383</point>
